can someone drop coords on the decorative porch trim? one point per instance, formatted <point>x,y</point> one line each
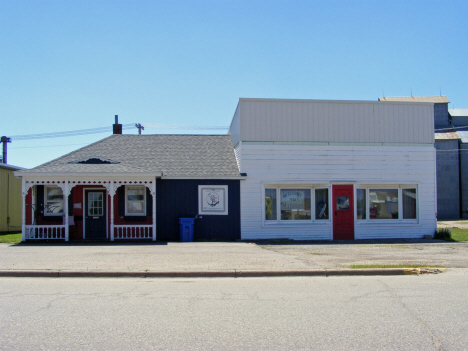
<point>68,183</point>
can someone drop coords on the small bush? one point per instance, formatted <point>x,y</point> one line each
<point>443,234</point>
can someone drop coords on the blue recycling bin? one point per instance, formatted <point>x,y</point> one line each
<point>186,229</point>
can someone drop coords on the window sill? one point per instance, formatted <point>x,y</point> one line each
<point>135,218</point>
<point>393,223</point>
<point>297,224</point>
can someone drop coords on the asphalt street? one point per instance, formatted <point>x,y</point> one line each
<point>426,312</point>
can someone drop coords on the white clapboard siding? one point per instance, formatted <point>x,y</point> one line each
<point>265,120</point>
<point>324,164</point>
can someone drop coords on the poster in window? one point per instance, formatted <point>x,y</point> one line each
<point>213,200</point>
<point>342,203</point>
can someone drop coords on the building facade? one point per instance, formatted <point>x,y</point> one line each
<point>332,170</point>
<point>135,187</point>
<point>10,199</point>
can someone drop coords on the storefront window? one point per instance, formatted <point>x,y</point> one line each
<point>321,204</point>
<point>409,203</point>
<point>295,204</point>
<point>361,203</point>
<point>383,203</point>
<point>270,204</point>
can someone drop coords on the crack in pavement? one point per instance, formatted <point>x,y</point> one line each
<point>435,340</point>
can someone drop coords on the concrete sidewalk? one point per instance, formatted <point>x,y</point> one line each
<point>226,259</point>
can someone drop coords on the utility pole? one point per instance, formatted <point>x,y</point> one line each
<point>5,140</point>
<point>140,128</point>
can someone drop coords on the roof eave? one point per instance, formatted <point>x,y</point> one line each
<point>207,178</point>
<point>21,174</point>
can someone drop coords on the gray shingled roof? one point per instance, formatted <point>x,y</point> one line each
<point>174,155</point>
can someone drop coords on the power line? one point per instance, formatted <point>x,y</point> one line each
<point>36,147</point>
<point>68,133</point>
<point>452,150</point>
<point>179,126</point>
<point>452,128</point>
<point>107,129</point>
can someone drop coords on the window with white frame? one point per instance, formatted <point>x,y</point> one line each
<point>386,203</point>
<point>135,201</point>
<point>296,204</point>
<point>53,201</point>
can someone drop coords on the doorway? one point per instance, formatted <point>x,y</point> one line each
<point>343,212</point>
<point>95,214</point>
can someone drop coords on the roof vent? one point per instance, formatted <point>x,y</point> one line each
<point>95,161</point>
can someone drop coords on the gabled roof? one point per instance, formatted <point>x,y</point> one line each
<point>458,112</point>
<point>434,99</point>
<point>174,155</point>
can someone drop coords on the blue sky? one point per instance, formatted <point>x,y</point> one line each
<point>70,65</point>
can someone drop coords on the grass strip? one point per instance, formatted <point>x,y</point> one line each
<point>10,238</point>
<point>460,234</point>
<point>364,266</point>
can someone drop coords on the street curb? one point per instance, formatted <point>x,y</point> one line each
<point>214,274</point>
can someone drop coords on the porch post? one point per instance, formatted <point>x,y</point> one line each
<point>153,193</point>
<point>67,228</point>
<point>111,193</point>
<point>23,218</point>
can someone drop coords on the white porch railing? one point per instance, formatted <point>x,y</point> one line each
<point>136,231</point>
<point>35,232</point>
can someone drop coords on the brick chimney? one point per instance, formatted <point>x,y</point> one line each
<point>117,128</point>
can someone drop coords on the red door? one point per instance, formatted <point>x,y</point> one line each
<point>343,212</point>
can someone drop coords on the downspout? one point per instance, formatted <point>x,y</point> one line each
<point>8,203</point>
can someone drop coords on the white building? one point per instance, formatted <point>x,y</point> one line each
<point>331,170</point>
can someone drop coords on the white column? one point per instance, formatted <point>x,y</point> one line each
<point>67,193</point>
<point>34,204</point>
<point>153,193</point>
<point>112,193</point>
<point>23,221</point>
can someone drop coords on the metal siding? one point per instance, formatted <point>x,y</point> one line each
<point>179,198</point>
<point>464,180</point>
<point>460,121</point>
<point>441,117</point>
<point>322,121</point>
<point>448,179</point>
<point>305,164</point>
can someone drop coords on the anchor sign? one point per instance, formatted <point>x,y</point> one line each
<point>212,199</point>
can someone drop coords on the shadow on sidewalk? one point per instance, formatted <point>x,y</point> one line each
<point>346,242</point>
<point>89,243</point>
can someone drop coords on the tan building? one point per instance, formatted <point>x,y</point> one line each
<point>10,200</point>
